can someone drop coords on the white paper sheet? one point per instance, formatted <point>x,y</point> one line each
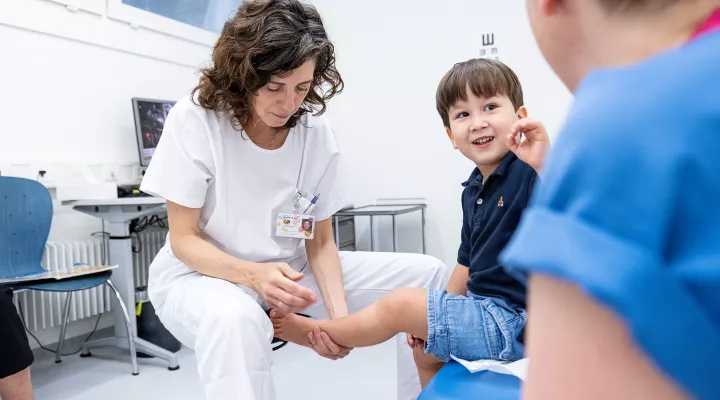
<point>517,368</point>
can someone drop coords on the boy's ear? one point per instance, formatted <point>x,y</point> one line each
<point>452,137</point>
<point>522,112</point>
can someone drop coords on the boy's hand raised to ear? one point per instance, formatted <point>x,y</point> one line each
<point>534,146</point>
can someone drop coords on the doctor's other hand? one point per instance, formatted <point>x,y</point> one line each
<point>276,283</point>
<point>533,148</point>
<point>325,346</point>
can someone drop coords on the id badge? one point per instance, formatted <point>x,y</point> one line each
<point>296,226</point>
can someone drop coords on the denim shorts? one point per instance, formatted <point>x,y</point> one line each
<point>473,327</point>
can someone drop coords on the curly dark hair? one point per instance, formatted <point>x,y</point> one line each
<point>268,38</point>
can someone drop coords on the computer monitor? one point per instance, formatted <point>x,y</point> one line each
<point>150,118</point>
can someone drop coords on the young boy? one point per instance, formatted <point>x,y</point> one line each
<point>623,236</point>
<point>482,314</point>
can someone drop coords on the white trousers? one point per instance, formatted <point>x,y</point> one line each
<point>230,333</point>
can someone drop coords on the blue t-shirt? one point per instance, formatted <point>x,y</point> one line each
<point>629,208</point>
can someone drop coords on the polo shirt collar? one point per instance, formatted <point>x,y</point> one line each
<point>501,170</point>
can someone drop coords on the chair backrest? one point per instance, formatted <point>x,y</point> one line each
<point>25,217</point>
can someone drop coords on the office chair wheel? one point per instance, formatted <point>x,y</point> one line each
<point>58,361</point>
<point>86,355</point>
<point>135,373</point>
<point>174,368</point>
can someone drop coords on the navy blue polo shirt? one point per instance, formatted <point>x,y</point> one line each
<point>491,213</point>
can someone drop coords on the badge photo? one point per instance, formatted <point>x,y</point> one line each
<point>297,226</point>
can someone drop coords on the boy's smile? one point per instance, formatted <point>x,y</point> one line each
<point>483,142</point>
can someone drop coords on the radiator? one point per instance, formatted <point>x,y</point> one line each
<point>147,246</point>
<point>43,310</point>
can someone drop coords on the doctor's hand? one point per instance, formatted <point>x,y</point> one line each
<point>276,283</point>
<point>532,149</point>
<point>324,346</point>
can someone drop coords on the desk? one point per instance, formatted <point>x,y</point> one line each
<point>454,382</point>
<point>117,214</point>
<point>392,210</point>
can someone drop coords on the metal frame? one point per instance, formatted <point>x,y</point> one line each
<point>95,343</point>
<point>400,208</point>
<point>136,17</point>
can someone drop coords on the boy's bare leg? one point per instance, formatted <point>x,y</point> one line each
<point>427,365</point>
<point>17,386</point>
<point>404,310</point>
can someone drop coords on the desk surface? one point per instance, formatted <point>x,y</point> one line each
<point>122,201</point>
<point>381,210</point>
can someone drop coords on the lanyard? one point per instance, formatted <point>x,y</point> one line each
<point>298,185</point>
<point>300,177</point>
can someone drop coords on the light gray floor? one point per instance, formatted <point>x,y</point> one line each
<point>367,373</point>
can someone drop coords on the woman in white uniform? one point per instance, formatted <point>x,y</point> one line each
<point>245,163</point>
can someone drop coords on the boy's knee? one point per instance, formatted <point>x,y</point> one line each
<point>403,299</point>
<point>401,308</point>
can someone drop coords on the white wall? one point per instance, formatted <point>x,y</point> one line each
<point>392,55</point>
<point>68,77</point>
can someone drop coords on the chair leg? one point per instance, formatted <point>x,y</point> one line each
<point>65,317</point>
<point>131,337</point>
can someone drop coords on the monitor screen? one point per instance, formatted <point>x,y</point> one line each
<point>150,118</point>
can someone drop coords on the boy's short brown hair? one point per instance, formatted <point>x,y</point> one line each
<point>485,78</point>
<point>636,5</point>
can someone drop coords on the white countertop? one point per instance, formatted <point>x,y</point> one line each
<point>122,201</point>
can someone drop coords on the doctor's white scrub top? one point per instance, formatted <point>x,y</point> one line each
<point>203,162</point>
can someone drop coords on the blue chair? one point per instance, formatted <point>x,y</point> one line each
<point>454,382</point>
<point>26,212</point>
